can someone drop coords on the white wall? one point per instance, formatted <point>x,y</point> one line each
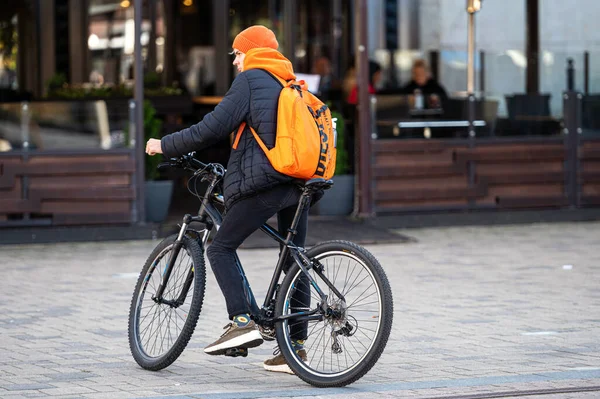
<point>567,28</point>
<point>375,33</point>
<point>564,25</point>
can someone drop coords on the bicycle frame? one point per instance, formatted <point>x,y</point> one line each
<point>210,216</point>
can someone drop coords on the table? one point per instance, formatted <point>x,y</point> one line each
<point>426,125</point>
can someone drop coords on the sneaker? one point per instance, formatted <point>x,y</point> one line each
<point>235,337</point>
<point>278,363</point>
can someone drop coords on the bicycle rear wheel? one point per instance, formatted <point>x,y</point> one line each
<point>351,335</point>
<point>159,332</point>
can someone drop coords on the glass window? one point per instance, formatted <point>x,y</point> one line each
<point>111,40</point>
<point>9,44</point>
<point>63,125</point>
<point>195,51</point>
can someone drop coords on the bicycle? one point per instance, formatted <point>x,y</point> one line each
<point>346,328</point>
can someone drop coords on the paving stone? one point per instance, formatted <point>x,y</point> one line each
<point>477,309</point>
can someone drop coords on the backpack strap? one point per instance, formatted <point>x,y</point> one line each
<point>239,135</point>
<point>240,130</point>
<point>284,83</point>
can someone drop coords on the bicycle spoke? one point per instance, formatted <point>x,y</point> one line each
<point>151,321</point>
<point>160,326</point>
<point>357,301</point>
<point>147,314</point>
<point>154,318</point>
<point>348,277</point>
<point>173,279</point>
<point>347,352</point>
<point>310,293</point>
<point>357,284</point>
<point>364,304</point>
<point>322,339</point>
<point>360,341</point>
<point>354,347</point>
<point>322,333</point>
<point>164,333</point>
<point>337,272</point>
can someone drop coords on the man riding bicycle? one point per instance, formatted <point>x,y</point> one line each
<point>253,190</point>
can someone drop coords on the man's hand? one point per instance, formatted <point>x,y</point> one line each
<point>153,147</point>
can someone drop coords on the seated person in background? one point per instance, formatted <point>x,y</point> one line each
<point>374,78</point>
<point>322,67</point>
<point>434,93</point>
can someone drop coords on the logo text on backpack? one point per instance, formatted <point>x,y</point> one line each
<point>323,156</point>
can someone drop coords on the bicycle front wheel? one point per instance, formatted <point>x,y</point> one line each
<point>159,331</point>
<point>351,334</point>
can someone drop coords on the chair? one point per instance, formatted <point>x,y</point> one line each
<point>391,107</point>
<point>529,114</point>
<point>527,105</point>
<point>590,112</point>
<point>490,115</point>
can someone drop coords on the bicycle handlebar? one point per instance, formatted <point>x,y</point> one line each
<point>189,162</point>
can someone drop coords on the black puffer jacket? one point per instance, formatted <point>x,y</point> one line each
<point>252,98</point>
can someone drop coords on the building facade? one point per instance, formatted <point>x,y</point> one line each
<point>82,50</point>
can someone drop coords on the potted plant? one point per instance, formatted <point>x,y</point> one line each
<point>157,192</point>
<point>339,199</point>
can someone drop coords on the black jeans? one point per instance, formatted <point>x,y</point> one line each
<point>242,219</point>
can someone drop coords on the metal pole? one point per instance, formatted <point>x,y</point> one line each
<point>139,112</point>
<point>586,73</point>
<point>570,75</point>
<point>533,47</point>
<point>25,124</point>
<point>365,205</point>
<point>471,9</point>
<point>482,73</point>
<point>471,72</point>
<point>471,54</point>
<point>572,130</point>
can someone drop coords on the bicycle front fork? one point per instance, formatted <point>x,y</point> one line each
<point>177,245</point>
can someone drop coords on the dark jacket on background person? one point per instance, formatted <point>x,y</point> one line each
<point>252,98</point>
<point>431,87</point>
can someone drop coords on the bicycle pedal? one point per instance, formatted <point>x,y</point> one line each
<point>235,352</point>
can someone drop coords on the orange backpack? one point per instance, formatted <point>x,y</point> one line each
<point>305,138</point>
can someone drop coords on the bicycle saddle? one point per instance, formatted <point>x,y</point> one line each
<point>317,184</point>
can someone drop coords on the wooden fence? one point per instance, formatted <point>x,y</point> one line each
<point>66,189</point>
<point>417,175</point>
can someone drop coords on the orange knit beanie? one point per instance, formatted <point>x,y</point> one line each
<point>256,36</point>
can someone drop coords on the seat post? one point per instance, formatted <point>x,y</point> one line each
<point>302,205</point>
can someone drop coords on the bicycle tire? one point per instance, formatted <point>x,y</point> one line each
<point>194,250</point>
<point>368,360</point>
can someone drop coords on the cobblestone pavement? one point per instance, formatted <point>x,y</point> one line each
<point>477,310</point>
